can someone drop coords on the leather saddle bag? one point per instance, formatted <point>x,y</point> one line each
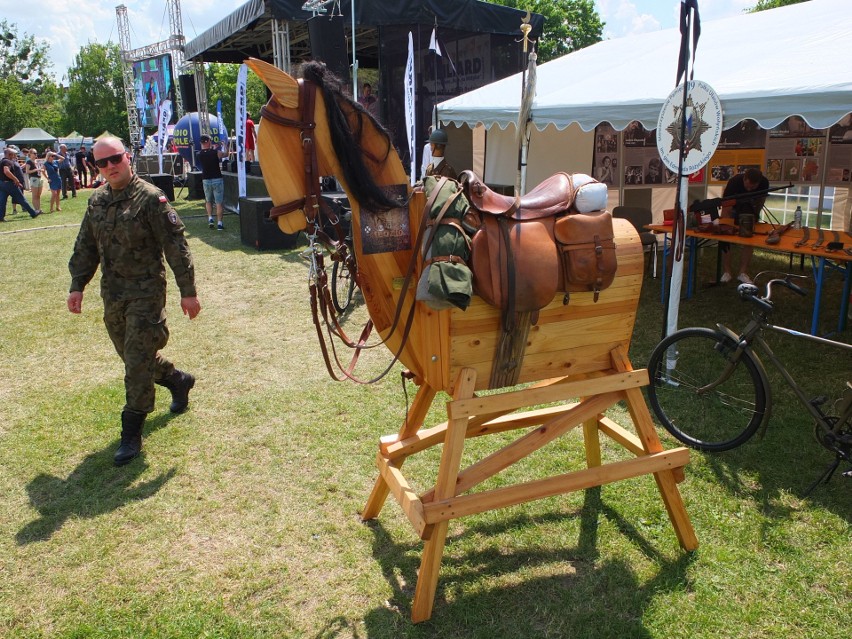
<point>586,248</point>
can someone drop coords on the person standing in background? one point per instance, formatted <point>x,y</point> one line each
<point>66,172</point>
<point>10,185</point>
<point>80,161</point>
<point>741,184</point>
<point>211,179</point>
<point>33,170</point>
<point>251,138</point>
<point>54,181</point>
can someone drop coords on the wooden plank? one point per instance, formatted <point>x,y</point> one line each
<point>414,419</point>
<point>534,396</point>
<point>393,448</point>
<point>405,495</point>
<point>433,550</point>
<point>618,433</point>
<point>461,506</point>
<point>631,442</point>
<point>529,443</point>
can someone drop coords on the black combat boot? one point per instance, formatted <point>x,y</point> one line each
<point>131,437</point>
<point>179,383</point>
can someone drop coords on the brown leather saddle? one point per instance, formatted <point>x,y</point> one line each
<point>527,248</point>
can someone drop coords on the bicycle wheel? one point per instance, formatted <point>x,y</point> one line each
<point>342,286</point>
<point>715,419</point>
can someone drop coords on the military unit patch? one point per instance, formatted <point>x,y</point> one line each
<point>173,217</point>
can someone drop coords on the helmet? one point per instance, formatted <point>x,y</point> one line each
<point>438,137</point>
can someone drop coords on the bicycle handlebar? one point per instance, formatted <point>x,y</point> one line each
<point>751,292</point>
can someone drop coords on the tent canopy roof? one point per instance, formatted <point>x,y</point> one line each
<point>31,135</point>
<point>766,66</point>
<point>248,30</point>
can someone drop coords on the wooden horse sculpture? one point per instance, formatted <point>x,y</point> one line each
<point>575,350</point>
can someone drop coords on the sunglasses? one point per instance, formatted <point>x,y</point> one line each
<point>113,159</point>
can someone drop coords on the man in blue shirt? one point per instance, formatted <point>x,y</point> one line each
<point>66,172</point>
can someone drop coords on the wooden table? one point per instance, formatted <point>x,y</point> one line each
<point>820,259</point>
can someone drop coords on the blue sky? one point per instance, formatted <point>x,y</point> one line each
<point>66,25</point>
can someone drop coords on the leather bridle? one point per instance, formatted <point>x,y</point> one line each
<point>316,209</point>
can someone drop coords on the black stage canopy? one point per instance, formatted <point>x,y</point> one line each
<point>248,30</point>
<point>480,44</point>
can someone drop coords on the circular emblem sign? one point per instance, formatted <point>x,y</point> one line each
<point>703,127</point>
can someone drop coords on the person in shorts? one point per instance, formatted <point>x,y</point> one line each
<point>33,169</point>
<point>752,180</point>
<point>210,161</point>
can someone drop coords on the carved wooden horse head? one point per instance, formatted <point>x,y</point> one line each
<point>312,129</point>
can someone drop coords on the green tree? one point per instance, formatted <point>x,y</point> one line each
<point>763,5</point>
<point>28,93</point>
<point>95,98</point>
<point>221,81</point>
<point>569,25</point>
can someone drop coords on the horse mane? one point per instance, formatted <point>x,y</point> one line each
<point>347,142</point>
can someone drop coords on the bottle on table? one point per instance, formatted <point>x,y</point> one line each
<point>797,218</point>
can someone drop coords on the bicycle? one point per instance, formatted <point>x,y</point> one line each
<point>709,388</point>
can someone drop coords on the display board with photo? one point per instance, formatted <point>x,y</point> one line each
<point>605,163</point>
<point>642,163</point>
<point>795,152</point>
<point>839,160</point>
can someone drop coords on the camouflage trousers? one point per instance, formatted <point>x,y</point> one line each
<point>138,331</point>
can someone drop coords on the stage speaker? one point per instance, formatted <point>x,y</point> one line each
<point>195,190</point>
<point>328,43</point>
<point>165,183</point>
<point>187,92</point>
<point>177,164</point>
<point>257,230</point>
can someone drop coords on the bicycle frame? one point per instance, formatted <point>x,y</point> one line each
<point>751,336</point>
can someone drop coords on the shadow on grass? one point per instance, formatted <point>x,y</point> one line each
<point>94,488</point>
<point>588,598</point>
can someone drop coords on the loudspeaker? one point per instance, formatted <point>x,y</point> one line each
<point>257,230</point>
<point>187,92</point>
<point>195,186</point>
<point>177,165</point>
<point>328,43</point>
<point>164,182</point>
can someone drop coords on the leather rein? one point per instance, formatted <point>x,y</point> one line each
<point>314,208</point>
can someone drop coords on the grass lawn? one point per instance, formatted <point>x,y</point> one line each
<point>241,517</point>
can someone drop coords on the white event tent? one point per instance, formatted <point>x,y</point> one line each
<point>766,66</point>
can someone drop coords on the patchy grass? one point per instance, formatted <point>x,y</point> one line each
<point>241,519</point>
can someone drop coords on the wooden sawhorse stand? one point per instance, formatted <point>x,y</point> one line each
<point>472,416</point>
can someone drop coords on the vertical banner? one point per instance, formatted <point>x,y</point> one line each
<point>240,129</point>
<point>409,108</point>
<point>162,132</point>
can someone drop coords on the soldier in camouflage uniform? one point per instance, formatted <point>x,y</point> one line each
<point>127,229</point>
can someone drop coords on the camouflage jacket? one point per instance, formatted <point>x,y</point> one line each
<point>128,232</point>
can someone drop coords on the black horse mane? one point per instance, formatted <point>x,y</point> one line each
<point>346,141</point>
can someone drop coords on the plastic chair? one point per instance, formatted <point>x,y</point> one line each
<point>640,217</point>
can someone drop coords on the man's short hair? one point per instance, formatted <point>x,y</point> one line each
<point>753,175</point>
<point>12,149</point>
<point>204,138</point>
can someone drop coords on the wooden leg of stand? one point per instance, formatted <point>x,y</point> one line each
<point>445,487</point>
<point>414,420</point>
<point>666,480</point>
<point>592,440</point>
